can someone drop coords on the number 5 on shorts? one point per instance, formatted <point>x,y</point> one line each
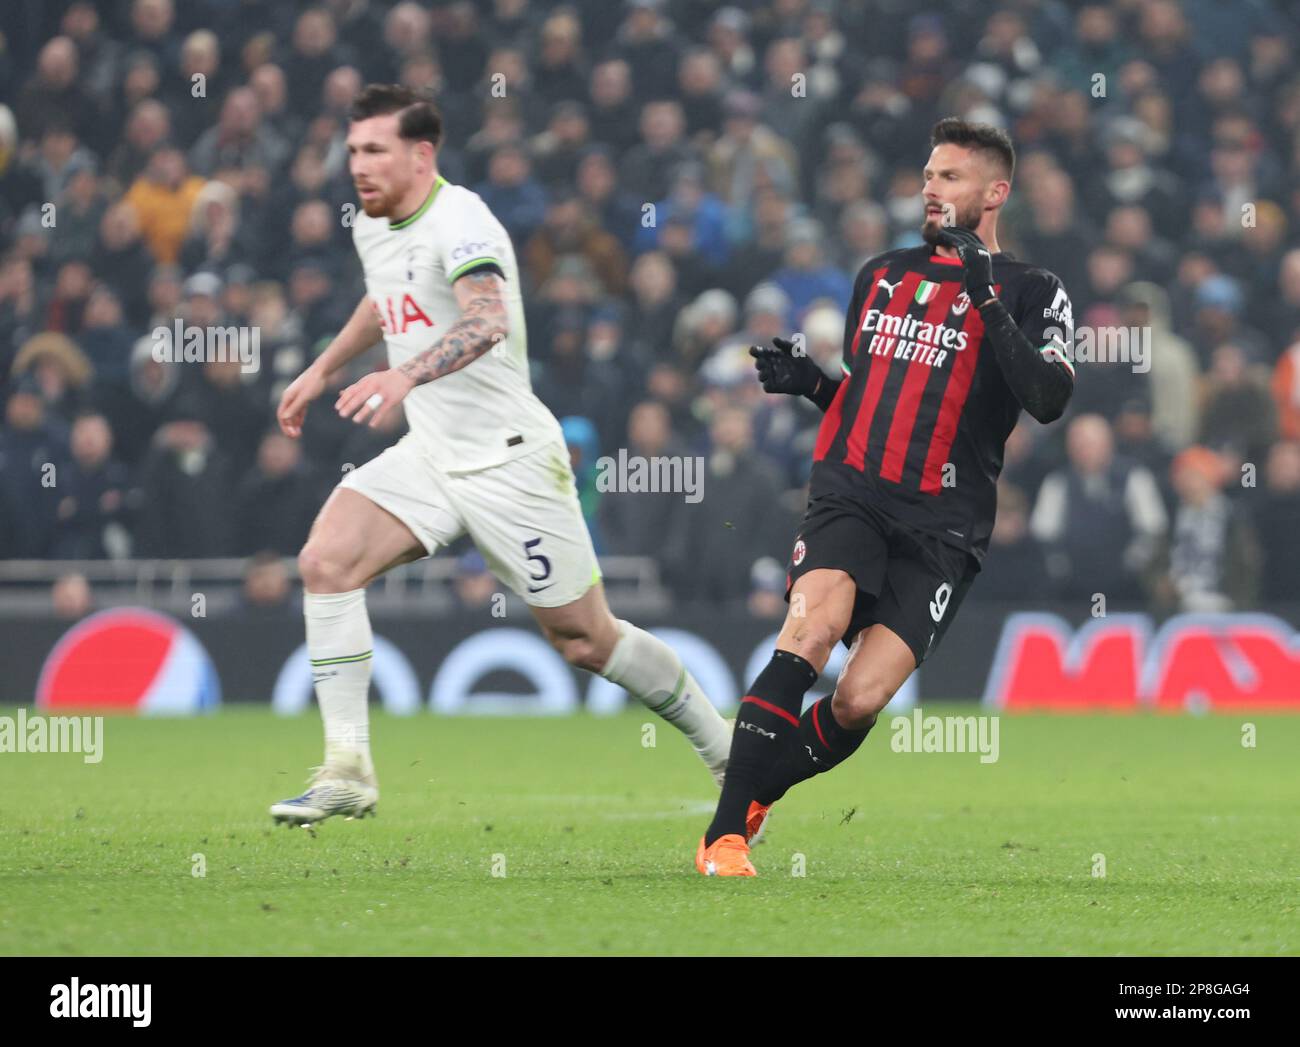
<point>545,566</point>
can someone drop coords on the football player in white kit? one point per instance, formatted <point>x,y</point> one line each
<point>483,456</point>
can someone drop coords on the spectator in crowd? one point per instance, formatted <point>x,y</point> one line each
<point>106,339</point>
<point>650,166</point>
<point>613,114</point>
<point>569,230</point>
<point>655,304</point>
<point>806,277</point>
<point>1173,376</point>
<point>1218,303</point>
<point>559,148</point>
<point>33,448</point>
<point>700,85</point>
<point>163,197</point>
<point>1211,559</point>
<point>82,206</point>
<point>1277,520</point>
<point>55,93</point>
<point>1099,520</point>
<point>185,492</point>
<point>702,326</point>
<point>215,239</point>
<point>1239,416</point>
<point>702,214</point>
<point>121,260</point>
<point>743,149</point>
<point>637,523</point>
<point>765,252</point>
<point>239,140</point>
<point>94,487</point>
<point>60,370</point>
<point>278,500</point>
<point>733,522</point>
<point>147,128</point>
<point>576,383</point>
<point>512,193</point>
<point>647,43</point>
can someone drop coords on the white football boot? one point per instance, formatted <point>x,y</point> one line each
<point>333,789</point>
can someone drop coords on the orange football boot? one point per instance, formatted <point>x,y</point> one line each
<point>755,820</point>
<point>729,856</point>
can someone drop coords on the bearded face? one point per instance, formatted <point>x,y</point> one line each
<point>957,186</point>
<point>964,216</point>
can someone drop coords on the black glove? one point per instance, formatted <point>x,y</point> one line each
<point>781,371</point>
<point>976,261</point>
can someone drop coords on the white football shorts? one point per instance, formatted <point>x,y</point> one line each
<point>523,515</point>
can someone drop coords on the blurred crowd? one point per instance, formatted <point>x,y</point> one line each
<point>681,180</point>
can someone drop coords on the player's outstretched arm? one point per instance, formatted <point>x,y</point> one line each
<point>781,370</point>
<point>1042,379</point>
<point>483,322</point>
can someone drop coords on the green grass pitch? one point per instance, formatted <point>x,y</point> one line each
<point>595,833</point>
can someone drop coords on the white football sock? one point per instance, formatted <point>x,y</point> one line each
<point>339,646</point>
<point>651,671</point>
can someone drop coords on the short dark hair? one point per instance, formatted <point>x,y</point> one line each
<point>419,121</point>
<point>985,138</point>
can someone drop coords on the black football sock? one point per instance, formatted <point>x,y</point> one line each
<point>819,745</point>
<point>767,718</point>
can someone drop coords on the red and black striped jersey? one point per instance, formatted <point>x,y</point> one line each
<point>919,423</point>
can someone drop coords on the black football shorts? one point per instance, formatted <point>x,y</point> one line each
<point>909,581</point>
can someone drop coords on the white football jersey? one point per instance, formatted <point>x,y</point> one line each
<point>486,413</point>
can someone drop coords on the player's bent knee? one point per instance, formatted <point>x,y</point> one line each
<point>582,652</point>
<point>811,639</point>
<point>856,706</point>
<point>325,570</point>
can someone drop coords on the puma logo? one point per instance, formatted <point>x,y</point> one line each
<point>889,288</point>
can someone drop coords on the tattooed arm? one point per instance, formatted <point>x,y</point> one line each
<point>482,324</point>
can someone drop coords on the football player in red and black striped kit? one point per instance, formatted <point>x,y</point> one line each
<point>944,344</point>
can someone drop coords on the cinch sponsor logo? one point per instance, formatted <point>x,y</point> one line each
<point>399,318</point>
<point>75,1000</point>
<point>471,249</point>
<point>1217,662</point>
<point>908,337</point>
